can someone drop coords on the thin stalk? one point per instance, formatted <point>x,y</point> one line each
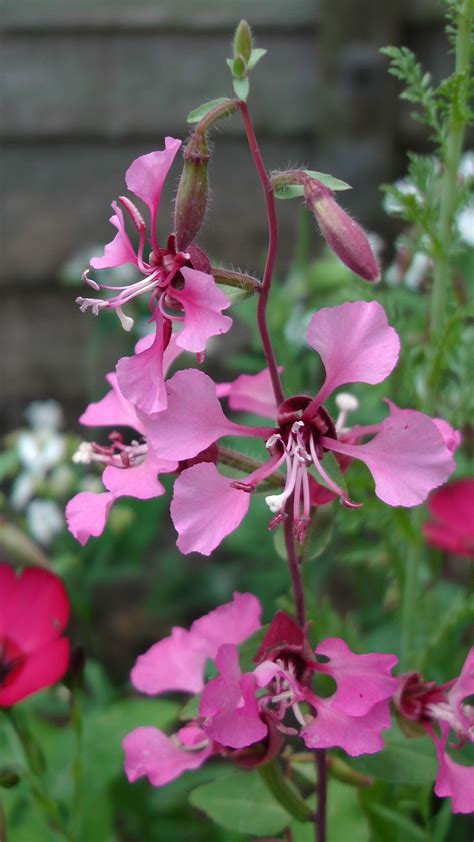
<point>410,595</point>
<point>271,253</point>
<point>236,279</point>
<point>322,777</point>
<point>454,144</point>
<point>36,767</point>
<point>294,566</point>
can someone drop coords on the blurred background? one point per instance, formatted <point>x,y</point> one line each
<point>90,85</point>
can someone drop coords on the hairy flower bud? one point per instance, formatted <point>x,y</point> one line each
<point>343,235</point>
<point>243,41</point>
<point>191,199</point>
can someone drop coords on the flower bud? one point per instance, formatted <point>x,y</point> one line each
<point>191,199</point>
<point>343,235</point>
<point>243,41</point>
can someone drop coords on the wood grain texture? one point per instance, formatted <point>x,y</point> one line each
<point>134,85</point>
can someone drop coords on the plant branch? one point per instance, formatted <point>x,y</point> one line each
<point>271,253</point>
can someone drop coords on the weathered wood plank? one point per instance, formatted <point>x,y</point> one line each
<point>45,352</point>
<point>58,202</point>
<point>139,14</point>
<point>117,85</point>
<point>41,15</point>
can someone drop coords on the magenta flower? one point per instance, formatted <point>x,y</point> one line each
<point>177,663</point>
<point>178,285</point>
<point>452,508</point>
<point>238,710</point>
<point>34,610</point>
<point>131,470</point>
<point>440,709</point>
<point>406,454</point>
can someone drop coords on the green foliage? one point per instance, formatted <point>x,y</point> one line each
<point>241,802</point>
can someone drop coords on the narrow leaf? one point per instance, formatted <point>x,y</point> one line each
<point>198,113</point>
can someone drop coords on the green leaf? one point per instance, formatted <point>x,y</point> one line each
<point>294,191</point>
<point>345,819</point>
<point>241,88</point>
<point>238,67</point>
<point>241,802</point>
<point>255,57</point>
<point>411,831</point>
<point>403,760</point>
<point>198,113</point>
<point>235,294</point>
<point>318,535</point>
<point>191,709</point>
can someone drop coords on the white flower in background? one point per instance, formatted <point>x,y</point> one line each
<point>466,165</point>
<point>45,520</point>
<point>405,186</point>
<point>417,270</point>
<point>465,224</point>
<point>39,449</point>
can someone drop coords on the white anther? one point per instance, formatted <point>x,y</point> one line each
<point>83,454</point>
<point>126,321</point>
<point>346,402</point>
<point>275,502</point>
<point>272,441</point>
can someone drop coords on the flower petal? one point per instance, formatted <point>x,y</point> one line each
<point>177,662</point>
<point>42,668</point>
<point>355,342</point>
<point>232,622</point>
<point>120,250</point>
<point>251,393</point>
<point>203,302</point>
<point>38,609</point>
<point>230,705</point>
<point>174,663</point>
<point>453,780</point>
<point>113,410</point>
<point>355,734</point>
<point>141,378</point>
<point>453,506</point>
<point>146,175</point>
<point>193,419</point>
<point>206,508</point>
<point>140,481</point>
<point>407,458</point>
<point>362,680</point>
<point>149,752</point>
<point>7,588</point>
<point>86,514</point>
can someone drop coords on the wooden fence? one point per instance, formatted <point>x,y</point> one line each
<point>91,84</point>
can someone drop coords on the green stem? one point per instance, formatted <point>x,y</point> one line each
<point>284,791</point>
<point>76,722</point>
<point>410,596</point>
<point>449,183</point>
<point>37,766</point>
<point>236,279</point>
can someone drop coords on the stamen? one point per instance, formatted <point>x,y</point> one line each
<point>329,482</point>
<point>126,321</point>
<point>83,454</point>
<point>85,278</point>
<point>133,213</point>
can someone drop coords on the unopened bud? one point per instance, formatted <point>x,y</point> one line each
<point>343,235</point>
<point>191,199</point>
<point>243,41</point>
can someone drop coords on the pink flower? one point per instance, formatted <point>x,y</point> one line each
<point>178,285</point>
<point>440,709</point>
<point>34,610</point>
<point>131,470</point>
<point>452,508</point>
<point>406,454</point>
<point>238,710</point>
<point>177,663</point>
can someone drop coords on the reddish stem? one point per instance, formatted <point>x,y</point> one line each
<point>294,566</point>
<point>271,253</point>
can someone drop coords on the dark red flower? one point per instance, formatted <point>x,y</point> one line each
<point>452,508</point>
<point>34,610</point>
